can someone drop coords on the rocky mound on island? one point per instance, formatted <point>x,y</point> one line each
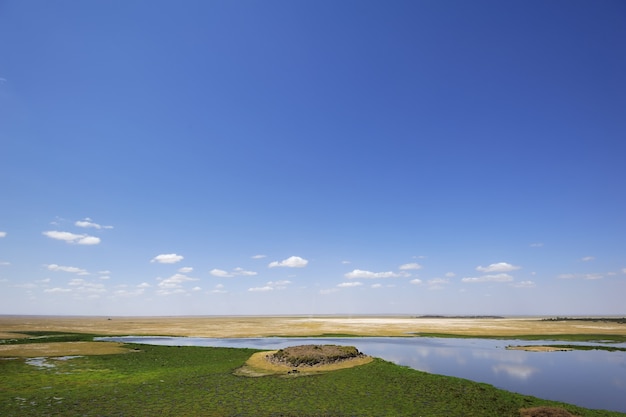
<point>311,355</point>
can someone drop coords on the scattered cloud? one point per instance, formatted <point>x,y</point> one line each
<point>498,267</point>
<point>87,223</point>
<point>3,234</point>
<point>350,284</point>
<point>144,285</point>
<point>175,281</point>
<point>376,286</point>
<point>437,283</point>
<point>167,258</point>
<point>185,270</point>
<point>593,276</point>
<point>587,258</point>
<point>410,266</point>
<point>57,290</point>
<point>235,272</point>
<point>5,263</point>
<point>416,281</point>
<point>346,262</point>
<point>259,256</point>
<point>71,269</point>
<point>243,272</point>
<point>72,237</point>
<point>261,289</point>
<point>490,278</point>
<point>220,273</point>
<point>271,286</point>
<point>328,291</point>
<point>291,262</point>
<point>450,275</point>
<point>219,289</point>
<point>358,273</point>
<point>279,285</point>
<point>524,284</point>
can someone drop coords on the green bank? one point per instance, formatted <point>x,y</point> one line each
<point>200,381</point>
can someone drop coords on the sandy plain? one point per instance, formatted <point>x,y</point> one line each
<point>261,326</point>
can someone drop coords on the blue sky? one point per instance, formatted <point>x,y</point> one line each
<point>311,157</point>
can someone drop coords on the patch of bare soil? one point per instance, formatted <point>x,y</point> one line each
<point>303,360</point>
<point>33,350</point>
<point>545,412</point>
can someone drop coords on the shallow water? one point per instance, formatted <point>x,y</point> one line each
<point>591,379</point>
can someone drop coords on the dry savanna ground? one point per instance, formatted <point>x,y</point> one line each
<point>260,326</point>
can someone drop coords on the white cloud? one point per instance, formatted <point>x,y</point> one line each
<point>220,273</point>
<point>243,272</point>
<point>350,284</point>
<point>87,222</point>
<point>185,270</point>
<point>144,285</point>
<point>566,276</point>
<point>261,289</point>
<point>358,273</point>
<point>498,267</point>
<point>219,289</point>
<point>376,285</point>
<point>57,289</point>
<point>279,285</point>
<point>291,262</point>
<point>259,256</point>
<point>450,275</point>
<point>524,284</point>
<point>167,258</point>
<point>271,285</point>
<point>413,265</point>
<point>416,281</point>
<point>72,237</point>
<point>71,269</point>
<point>587,258</point>
<point>593,276</point>
<point>3,234</point>
<point>328,291</point>
<point>437,283</point>
<point>175,281</point>
<point>346,262</point>
<point>235,272</point>
<point>490,278</point>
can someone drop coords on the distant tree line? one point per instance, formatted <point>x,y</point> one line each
<point>620,320</point>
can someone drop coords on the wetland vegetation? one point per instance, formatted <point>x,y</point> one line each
<point>150,380</point>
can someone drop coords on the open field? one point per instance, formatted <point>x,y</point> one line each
<point>220,326</point>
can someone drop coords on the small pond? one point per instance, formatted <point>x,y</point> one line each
<point>591,379</point>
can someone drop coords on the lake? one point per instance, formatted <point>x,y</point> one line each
<point>591,379</point>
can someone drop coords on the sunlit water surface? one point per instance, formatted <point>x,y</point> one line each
<point>591,379</point>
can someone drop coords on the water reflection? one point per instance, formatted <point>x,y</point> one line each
<point>592,379</point>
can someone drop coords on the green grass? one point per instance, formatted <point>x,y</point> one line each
<point>199,381</point>
<point>48,337</point>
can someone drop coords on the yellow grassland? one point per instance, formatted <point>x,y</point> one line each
<point>260,326</point>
